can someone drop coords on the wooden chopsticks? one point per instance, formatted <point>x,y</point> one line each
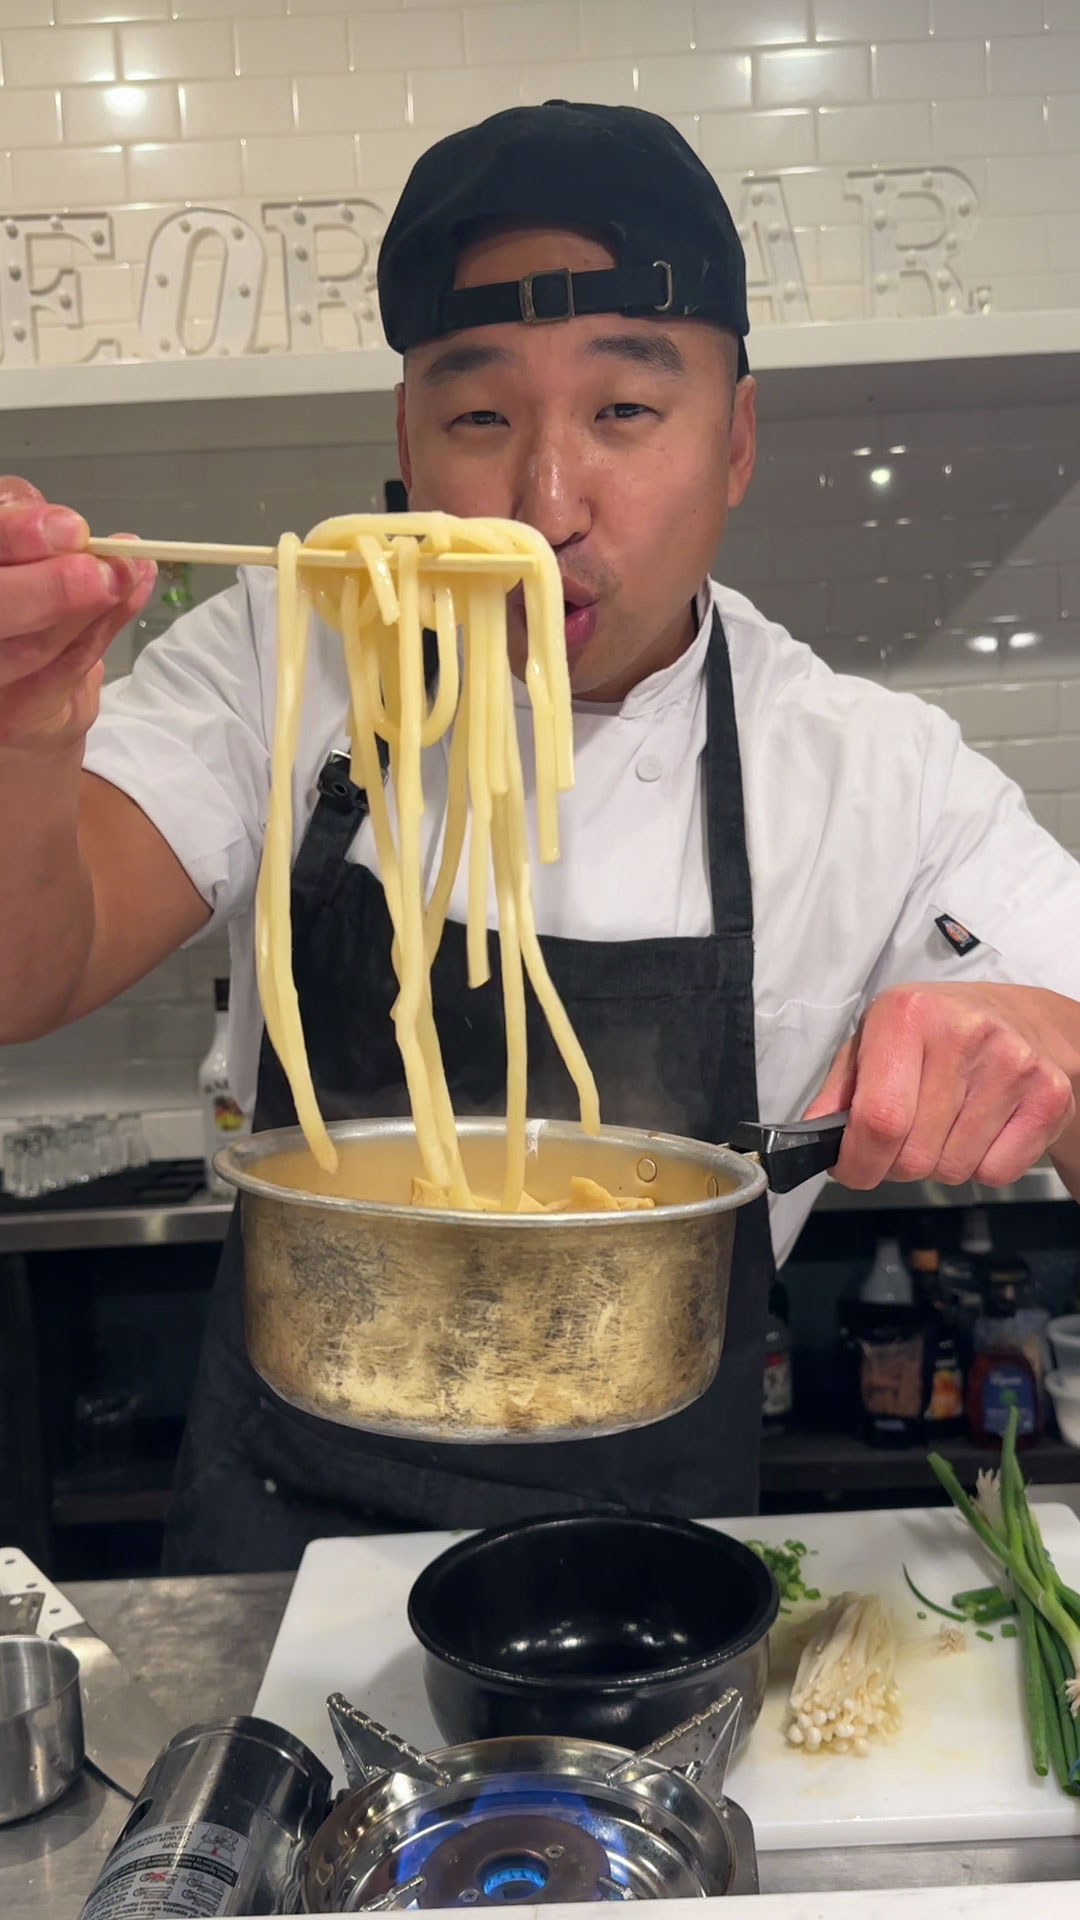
<point>211,554</point>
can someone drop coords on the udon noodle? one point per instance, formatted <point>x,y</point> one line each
<point>415,571</point>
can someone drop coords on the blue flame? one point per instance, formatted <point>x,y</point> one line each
<point>517,1871</point>
<point>493,1799</point>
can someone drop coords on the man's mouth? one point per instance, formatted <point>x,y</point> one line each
<point>580,613</point>
<point>579,618</point>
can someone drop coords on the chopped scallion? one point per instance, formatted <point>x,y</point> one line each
<point>945,1612</point>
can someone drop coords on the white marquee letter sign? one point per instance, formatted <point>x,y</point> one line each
<point>945,205</point>
<point>915,221</point>
<point>22,301</point>
<point>766,232</point>
<point>301,226</point>
<point>166,290</point>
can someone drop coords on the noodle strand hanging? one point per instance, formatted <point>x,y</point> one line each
<point>412,570</point>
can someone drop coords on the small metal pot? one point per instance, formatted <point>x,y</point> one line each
<point>609,1627</point>
<point>41,1728</point>
<point>450,1326</point>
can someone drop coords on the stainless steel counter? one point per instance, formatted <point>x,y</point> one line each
<point>201,1646</point>
<point>70,1229</point>
<point>1042,1183</point>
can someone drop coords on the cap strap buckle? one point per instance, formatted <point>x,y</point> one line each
<point>665,305</point>
<point>527,302</point>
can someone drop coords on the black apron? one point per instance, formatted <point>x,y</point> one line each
<point>668,1026</point>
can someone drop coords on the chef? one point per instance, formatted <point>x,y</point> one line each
<point>781,889</point>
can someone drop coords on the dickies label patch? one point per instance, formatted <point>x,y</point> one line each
<point>958,937</point>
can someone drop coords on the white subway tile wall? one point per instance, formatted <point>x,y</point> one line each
<point>957,575</point>
<point>804,88</point>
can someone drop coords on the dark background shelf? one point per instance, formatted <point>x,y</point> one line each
<point>805,1471</point>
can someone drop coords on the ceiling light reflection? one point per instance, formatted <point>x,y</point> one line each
<point>125,102</point>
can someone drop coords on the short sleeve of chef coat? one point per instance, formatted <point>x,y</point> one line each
<point>986,863</point>
<point>185,737</point>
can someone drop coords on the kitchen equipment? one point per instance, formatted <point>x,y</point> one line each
<point>1064,1335</point>
<point>125,1727</point>
<point>959,1770</point>
<point>50,1155</point>
<point>477,1326</point>
<point>1064,1391</point>
<point>535,1819</point>
<point>221,1825</point>
<point>20,1612</point>
<point>607,1627</point>
<point>41,1735</point>
<point>213,553</point>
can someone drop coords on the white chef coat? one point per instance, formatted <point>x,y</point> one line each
<point>866,819</point>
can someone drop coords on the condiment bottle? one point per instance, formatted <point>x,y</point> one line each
<point>172,596</point>
<point>777,1382</point>
<point>943,1414</point>
<point>1011,1275</point>
<point>1002,1376</point>
<point>224,1120</point>
<point>888,1283</point>
<point>886,1329</point>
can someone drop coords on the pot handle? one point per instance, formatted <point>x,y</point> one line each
<point>793,1153</point>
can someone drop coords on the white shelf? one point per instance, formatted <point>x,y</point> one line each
<point>256,376</point>
<point>808,370</point>
<point>946,337</point>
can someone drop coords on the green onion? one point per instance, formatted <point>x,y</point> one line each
<point>785,1565</point>
<point>1055,1668</point>
<point>1013,1553</point>
<point>976,1597</point>
<point>1049,1612</point>
<point>1053,1727</point>
<point>932,1604</point>
<point>1010,1630</point>
<point>981,1634</point>
<point>1000,1609</point>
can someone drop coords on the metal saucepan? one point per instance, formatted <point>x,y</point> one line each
<point>610,1627</point>
<point>41,1729</point>
<point>451,1326</point>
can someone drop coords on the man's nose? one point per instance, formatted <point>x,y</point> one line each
<point>552,494</point>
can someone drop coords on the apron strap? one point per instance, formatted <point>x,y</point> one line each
<point>725,820</point>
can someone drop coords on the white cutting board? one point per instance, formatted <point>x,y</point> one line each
<point>959,1770</point>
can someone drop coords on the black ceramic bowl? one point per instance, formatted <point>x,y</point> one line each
<point>606,1627</point>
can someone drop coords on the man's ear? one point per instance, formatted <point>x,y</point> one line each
<point>743,440</point>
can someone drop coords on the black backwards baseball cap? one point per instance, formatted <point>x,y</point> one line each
<point>619,171</point>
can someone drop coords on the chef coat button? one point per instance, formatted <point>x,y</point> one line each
<point>649,767</point>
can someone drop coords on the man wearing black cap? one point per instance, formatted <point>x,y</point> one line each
<point>780,888</point>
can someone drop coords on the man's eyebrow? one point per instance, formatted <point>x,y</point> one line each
<point>463,359</point>
<point>655,350</point>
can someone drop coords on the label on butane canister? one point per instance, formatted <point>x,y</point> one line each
<point>188,1869</point>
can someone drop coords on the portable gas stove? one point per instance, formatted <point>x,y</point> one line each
<point>533,1819</point>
